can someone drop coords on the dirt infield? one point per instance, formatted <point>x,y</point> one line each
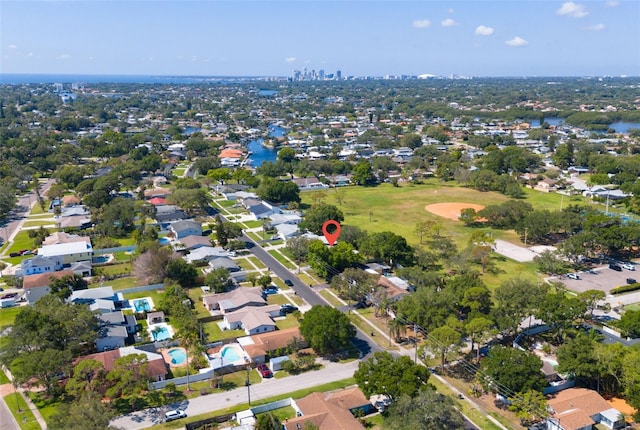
<point>451,210</point>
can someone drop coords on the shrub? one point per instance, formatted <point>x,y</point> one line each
<point>625,288</point>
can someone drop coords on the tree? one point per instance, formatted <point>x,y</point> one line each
<point>428,410</point>
<point>630,323</point>
<point>129,376</point>
<point>218,280</point>
<point>182,272</point>
<point>318,214</point>
<point>577,356</point>
<point>193,201</point>
<point>560,312</point>
<point>391,376</point>
<point>87,412</point>
<point>512,369</point>
<point>118,217</point>
<point>515,299</point>
<point>530,406</point>
<point>550,262</point>
<point>273,190</point>
<point>590,298</point>
<point>87,375</point>
<point>326,329</point>
<point>43,365</point>
<point>268,421</point>
<point>362,173</point>
<point>63,287</point>
<point>444,341</point>
<point>479,330</point>
<point>151,267</point>
<point>264,281</point>
<point>354,285</point>
<point>388,247</point>
<point>298,247</point>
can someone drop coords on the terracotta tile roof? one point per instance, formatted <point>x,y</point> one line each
<point>276,339</point>
<point>43,279</point>
<point>326,414</point>
<point>574,407</point>
<point>156,367</point>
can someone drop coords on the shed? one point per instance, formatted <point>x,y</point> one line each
<point>276,363</point>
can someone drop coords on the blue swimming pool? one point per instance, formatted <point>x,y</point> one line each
<point>230,355</point>
<point>100,259</point>
<point>141,305</point>
<point>161,333</point>
<point>164,241</point>
<point>178,355</point>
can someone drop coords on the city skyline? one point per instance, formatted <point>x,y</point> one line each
<point>359,38</point>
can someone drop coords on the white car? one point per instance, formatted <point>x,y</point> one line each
<point>573,276</point>
<point>628,266</point>
<point>175,414</point>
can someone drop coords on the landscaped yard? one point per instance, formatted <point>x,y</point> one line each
<point>21,412</point>
<point>214,333</point>
<point>7,316</point>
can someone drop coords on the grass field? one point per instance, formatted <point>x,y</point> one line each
<point>399,209</point>
<point>7,316</point>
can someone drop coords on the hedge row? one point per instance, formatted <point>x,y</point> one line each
<point>626,288</point>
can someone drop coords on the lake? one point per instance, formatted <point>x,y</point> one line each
<point>260,153</point>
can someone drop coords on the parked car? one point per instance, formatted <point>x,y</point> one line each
<point>288,282</point>
<point>175,414</point>
<point>573,276</point>
<point>264,371</point>
<point>231,254</point>
<point>628,266</point>
<point>287,309</point>
<point>269,291</point>
<point>615,267</point>
<point>631,281</point>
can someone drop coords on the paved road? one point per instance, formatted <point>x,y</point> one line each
<point>7,421</point>
<point>267,388</point>
<point>21,211</point>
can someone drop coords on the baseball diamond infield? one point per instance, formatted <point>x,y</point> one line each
<point>451,210</point>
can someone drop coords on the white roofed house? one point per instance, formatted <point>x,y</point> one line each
<point>40,264</point>
<point>184,228</point>
<point>70,252</point>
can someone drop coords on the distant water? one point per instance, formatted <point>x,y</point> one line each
<point>624,127</point>
<point>18,78</point>
<point>260,153</point>
<point>267,92</point>
<point>550,121</point>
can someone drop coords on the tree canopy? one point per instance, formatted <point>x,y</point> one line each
<point>326,329</point>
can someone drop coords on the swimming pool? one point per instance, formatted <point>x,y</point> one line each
<point>164,241</point>
<point>161,331</point>
<point>100,259</point>
<point>142,305</point>
<point>230,354</point>
<point>178,355</point>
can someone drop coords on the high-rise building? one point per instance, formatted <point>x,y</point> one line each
<point>338,74</point>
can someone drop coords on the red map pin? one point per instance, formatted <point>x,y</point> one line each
<point>331,237</point>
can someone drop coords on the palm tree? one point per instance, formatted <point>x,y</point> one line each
<point>188,339</point>
<point>396,329</point>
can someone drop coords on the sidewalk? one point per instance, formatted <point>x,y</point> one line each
<point>27,400</point>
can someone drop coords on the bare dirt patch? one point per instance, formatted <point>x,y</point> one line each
<point>451,210</point>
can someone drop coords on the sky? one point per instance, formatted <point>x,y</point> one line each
<point>360,38</point>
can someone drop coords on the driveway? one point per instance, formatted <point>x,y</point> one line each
<point>519,253</point>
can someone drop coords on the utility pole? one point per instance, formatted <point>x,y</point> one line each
<point>248,386</point>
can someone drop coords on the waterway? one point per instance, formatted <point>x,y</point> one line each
<point>260,153</point>
<point>619,127</point>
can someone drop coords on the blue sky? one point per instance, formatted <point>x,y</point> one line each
<point>375,38</point>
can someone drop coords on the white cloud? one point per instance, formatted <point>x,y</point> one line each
<point>449,22</point>
<point>12,46</point>
<point>517,41</point>
<point>482,30</point>
<point>572,9</point>
<point>64,56</point>
<point>290,59</point>
<point>611,3</point>
<point>91,58</point>
<point>597,27</point>
<point>421,23</point>
<point>451,10</point>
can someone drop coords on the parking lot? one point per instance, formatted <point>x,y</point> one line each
<point>601,278</point>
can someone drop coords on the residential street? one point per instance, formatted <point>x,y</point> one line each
<point>268,388</point>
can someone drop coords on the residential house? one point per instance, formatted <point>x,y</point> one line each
<point>581,409</point>
<point>70,252</point>
<point>115,328</point>
<point>284,218</point>
<point>169,213</point>
<point>40,264</point>
<point>208,254</point>
<point>37,286</point>
<point>184,228</point>
<point>223,263</point>
<point>234,300</point>
<point>393,291</point>
<point>258,346</point>
<point>307,184</point>
<point>286,231</point>
<point>156,192</point>
<point>155,318</point>
<point>329,411</point>
<point>101,299</point>
<point>190,243</point>
<point>62,237</point>
<point>252,320</point>
<point>156,366</point>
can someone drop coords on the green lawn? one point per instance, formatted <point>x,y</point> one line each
<point>257,262</point>
<point>289,322</point>
<point>634,307</point>
<point>47,408</point>
<point>331,298</point>
<point>278,256</point>
<point>214,333</point>
<point>24,417</point>
<point>117,284</point>
<point>8,315</point>
<point>3,378</point>
<point>38,223</point>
